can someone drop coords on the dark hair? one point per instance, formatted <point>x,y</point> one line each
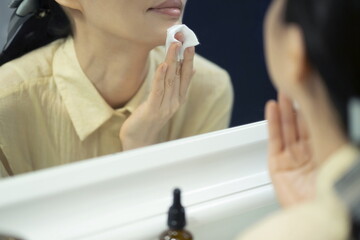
<point>59,25</point>
<point>332,38</point>
<point>47,25</point>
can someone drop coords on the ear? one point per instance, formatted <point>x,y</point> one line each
<point>299,66</point>
<point>70,4</point>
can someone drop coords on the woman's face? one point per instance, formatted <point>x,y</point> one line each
<point>143,21</point>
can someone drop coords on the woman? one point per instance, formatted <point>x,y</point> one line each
<point>313,55</point>
<point>105,88</point>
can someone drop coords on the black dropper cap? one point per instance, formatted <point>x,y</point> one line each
<point>176,215</point>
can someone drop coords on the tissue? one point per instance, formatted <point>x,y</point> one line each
<point>190,39</point>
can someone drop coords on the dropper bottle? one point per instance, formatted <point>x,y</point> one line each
<point>176,221</point>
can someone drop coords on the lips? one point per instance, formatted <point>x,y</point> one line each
<point>172,8</point>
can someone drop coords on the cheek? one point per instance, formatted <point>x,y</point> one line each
<point>274,50</point>
<point>270,52</point>
<point>127,22</point>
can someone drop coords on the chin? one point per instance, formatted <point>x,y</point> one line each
<point>153,43</point>
<point>160,38</point>
<point>157,36</point>
<point>159,43</point>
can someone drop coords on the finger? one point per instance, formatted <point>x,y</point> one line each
<point>288,120</point>
<point>176,90</point>
<point>272,115</point>
<point>157,92</point>
<point>172,61</point>
<point>171,82</point>
<point>172,56</point>
<point>187,72</point>
<point>180,37</point>
<point>302,128</point>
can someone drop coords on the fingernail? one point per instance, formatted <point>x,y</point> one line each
<point>180,36</point>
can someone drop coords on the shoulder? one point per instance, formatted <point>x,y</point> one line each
<point>210,75</point>
<point>27,70</point>
<point>211,84</point>
<point>206,67</point>
<point>328,221</point>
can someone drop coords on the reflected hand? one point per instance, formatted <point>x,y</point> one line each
<point>291,164</point>
<point>168,93</point>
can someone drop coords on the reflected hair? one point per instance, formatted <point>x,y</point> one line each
<point>59,24</point>
<point>332,38</point>
<point>38,31</point>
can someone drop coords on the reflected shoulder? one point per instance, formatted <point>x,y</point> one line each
<point>28,69</point>
<point>209,75</point>
<point>205,66</point>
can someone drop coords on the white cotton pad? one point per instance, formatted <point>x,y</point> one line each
<point>189,36</point>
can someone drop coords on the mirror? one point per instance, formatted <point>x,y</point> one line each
<point>231,36</point>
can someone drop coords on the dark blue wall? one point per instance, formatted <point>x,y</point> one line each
<point>237,46</point>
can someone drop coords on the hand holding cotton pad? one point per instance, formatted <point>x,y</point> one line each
<point>190,39</point>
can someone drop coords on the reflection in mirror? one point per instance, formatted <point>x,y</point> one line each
<point>61,103</point>
<point>77,86</point>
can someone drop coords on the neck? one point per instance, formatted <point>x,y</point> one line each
<point>116,67</point>
<point>323,124</point>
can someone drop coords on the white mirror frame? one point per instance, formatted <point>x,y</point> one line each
<point>125,196</point>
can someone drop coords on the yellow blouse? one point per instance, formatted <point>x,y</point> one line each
<point>324,218</point>
<point>51,114</point>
